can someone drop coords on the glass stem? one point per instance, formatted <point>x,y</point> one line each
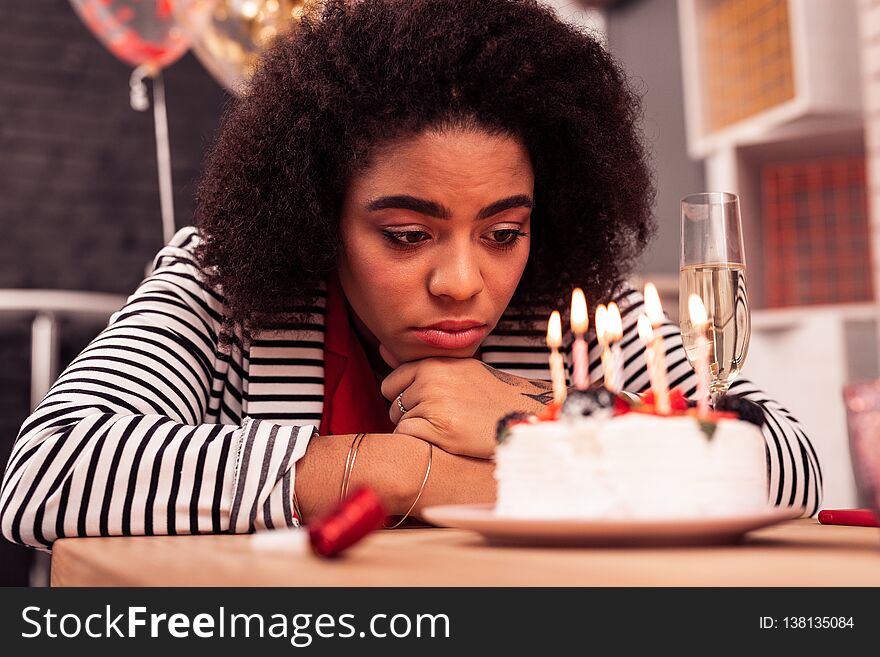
<point>716,391</point>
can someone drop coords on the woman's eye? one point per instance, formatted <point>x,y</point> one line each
<point>505,236</point>
<point>404,237</point>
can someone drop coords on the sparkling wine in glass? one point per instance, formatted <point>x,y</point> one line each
<point>713,267</point>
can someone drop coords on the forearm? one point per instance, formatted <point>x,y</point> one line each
<point>456,479</point>
<point>394,466</point>
<point>390,464</point>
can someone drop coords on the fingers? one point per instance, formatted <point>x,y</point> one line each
<point>409,399</point>
<point>433,368</point>
<point>419,427</point>
<point>395,412</point>
<point>399,380</point>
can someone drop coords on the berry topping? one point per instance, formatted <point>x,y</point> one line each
<point>677,400</point>
<point>745,409</point>
<point>587,402</point>
<point>621,406</point>
<point>550,412</point>
<point>502,429</point>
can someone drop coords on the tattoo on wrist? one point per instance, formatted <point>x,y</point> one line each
<point>544,398</point>
<point>542,391</point>
<point>504,377</point>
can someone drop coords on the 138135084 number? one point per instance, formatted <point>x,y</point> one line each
<point>817,622</point>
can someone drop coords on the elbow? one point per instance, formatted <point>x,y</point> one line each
<point>819,496</point>
<point>25,500</point>
<point>17,517</point>
<point>33,493</point>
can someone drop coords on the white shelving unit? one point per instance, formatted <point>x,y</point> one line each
<point>804,357</point>
<point>870,37</point>
<point>823,115</point>
<point>801,356</point>
<point>826,86</point>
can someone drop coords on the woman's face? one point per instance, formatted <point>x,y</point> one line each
<point>436,230</point>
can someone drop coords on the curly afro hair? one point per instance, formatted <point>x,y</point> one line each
<point>365,73</point>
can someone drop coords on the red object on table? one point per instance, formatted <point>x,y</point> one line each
<point>355,517</point>
<point>857,517</point>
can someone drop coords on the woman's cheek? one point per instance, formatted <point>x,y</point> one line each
<point>384,276</point>
<point>385,283</point>
<point>391,270</point>
<point>506,274</point>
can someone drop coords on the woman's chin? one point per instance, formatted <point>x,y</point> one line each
<point>419,351</point>
<point>436,352</point>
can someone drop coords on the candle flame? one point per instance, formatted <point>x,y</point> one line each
<point>646,333</point>
<point>601,322</point>
<point>579,318</point>
<point>697,311</point>
<point>249,9</point>
<point>615,324</point>
<point>653,307</point>
<point>554,330</point>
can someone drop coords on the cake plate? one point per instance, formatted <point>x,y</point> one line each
<point>496,530</point>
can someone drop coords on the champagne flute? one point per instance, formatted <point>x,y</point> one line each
<point>713,267</point>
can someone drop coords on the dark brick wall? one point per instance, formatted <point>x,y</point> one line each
<point>79,200</point>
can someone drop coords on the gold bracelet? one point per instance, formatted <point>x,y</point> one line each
<point>421,488</point>
<point>296,510</point>
<point>349,465</point>
<point>357,446</point>
<point>345,470</point>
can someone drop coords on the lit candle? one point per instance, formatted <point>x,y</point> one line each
<point>700,320</point>
<point>659,379</point>
<point>602,336</point>
<point>579,325</point>
<point>614,334</point>
<point>557,364</point>
<point>653,307</point>
<point>646,335</point>
<point>601,323</point>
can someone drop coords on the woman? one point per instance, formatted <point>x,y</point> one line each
<point>385,220</point>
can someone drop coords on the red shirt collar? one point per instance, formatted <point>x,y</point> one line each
<point>353,401</point>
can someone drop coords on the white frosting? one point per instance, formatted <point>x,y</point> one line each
<point>634,466</point>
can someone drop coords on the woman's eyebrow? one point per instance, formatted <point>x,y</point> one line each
<point>518,201</point>
<point>432,209</point>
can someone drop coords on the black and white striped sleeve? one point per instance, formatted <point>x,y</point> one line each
<point>794,473</point>
<point>119,445</point>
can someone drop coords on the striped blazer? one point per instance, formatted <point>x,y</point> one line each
<point>155,428</point>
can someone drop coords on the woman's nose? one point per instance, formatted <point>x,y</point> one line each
<point>456,275</point>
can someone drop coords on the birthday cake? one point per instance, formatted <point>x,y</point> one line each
<point>597,456</point>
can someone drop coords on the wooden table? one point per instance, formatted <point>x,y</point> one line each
<point>796,553</point>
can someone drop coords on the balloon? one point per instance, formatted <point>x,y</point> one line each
<point>228,36</point>
<point>139,32</point>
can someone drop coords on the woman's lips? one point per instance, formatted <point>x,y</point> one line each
<point>451,339</point>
